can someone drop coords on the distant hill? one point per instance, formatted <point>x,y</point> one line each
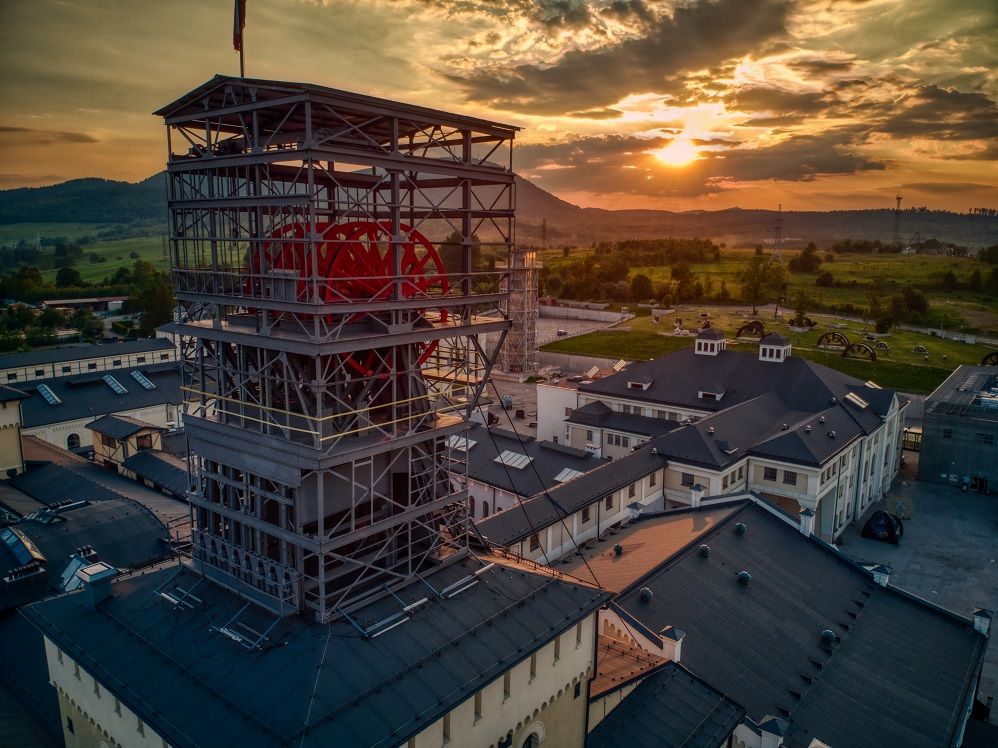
<point>90,200</point>
<point>105,201</point>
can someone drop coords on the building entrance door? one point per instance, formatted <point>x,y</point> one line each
<point>979,483</point>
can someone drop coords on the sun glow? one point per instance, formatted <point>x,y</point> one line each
<point>679,152</point>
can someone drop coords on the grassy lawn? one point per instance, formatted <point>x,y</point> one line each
<point>149,248</point>
<point>900,368</point>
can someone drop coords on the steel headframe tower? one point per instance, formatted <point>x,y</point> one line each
<point>896,236</point>
<point>331,361</point>
<point>519,354</point>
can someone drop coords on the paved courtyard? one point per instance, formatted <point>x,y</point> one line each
<point>948,556</point>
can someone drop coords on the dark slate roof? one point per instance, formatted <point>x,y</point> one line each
<point>123,533</point>
<point>161,468</point>
<point>24,671</point>
<point>88,395</point>
<point>121,427</point>
<point>549,460</point>
<point>711,333</point>
<point>678,377</point>
<point>599,415</point>
<point>325,684</point>
<point>7,394</point>
<point>774,338</point>
<point>53,484</point>
<point>547,508</point>
<point>78,352</point>
<point>671,708</point>
<point>899,673</point>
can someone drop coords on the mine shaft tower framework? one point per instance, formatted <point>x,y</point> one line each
<point>331,361</point>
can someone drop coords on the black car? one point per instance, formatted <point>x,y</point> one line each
<point>884,526</point>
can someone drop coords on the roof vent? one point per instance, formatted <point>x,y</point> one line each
<point>828,637</point>
<point>618,550</point>
<point>784,426</point>
<point>834,400</point>
<point>744,578</point>
<point>705,550</point>
<point>654,450</point>
<point>807,429</point>
<point>647,594</point>
<point>710,430</point>
<point>821,419</point>
<point>741,528</point>
<point>831,434</point>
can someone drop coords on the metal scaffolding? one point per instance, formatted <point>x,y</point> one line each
<point>328,352</point>
<point>519,354</point>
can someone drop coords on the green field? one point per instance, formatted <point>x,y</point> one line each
<point>901,368</point>
<point>14,232</point>
<point>956,309</point>
<point>149,248</point>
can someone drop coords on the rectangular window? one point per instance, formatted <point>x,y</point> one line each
<point>741,472</point>
<point>108,441</point>
<point>608,503</point>
<point>557,649</point>
<point>65,370</point>
<point>589,435</point>
<point>12,377</point>
<point>506,685</point>
<point>117,706</point>
<point>91,366</point>
<point>769,473</point>
<point>76,670</point>
<point>947,433</point>
<point>535,542</point>
<point>568,412</point>
<point>578,689</point>
<point>69,726</point>
<point>790,477</point>
<point>632,490</point>
<point>673,416</point>
<point>533,666</point>
<point>144,441</point>
<point>58,655</point>
<point>96,688</point>
<point>653,479</point>
<point>140,360</point>
<point>986,438</point>
<point>724,483</point>
<point>626,441</point>
<point>39,372</point>
<point>578,634</point>
<point>478,706</point>
<point>586,514</point>
<point>688,479</point>
<point>661,414</point>
<point>164,356</point>
<point>116,362</point>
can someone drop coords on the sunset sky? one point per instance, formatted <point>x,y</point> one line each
<point>681,105</point>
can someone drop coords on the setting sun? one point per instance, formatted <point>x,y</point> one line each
<point>679,152</point>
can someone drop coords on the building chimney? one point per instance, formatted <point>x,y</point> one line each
<point>772,730</point>
<point>982,620</point>
<point>881,573</point>
<point>96,580</point>
<point>672,643</point>
<point>807,522</point>
<point>696,496</point>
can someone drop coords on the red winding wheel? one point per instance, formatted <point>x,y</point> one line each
<point>356,260</point>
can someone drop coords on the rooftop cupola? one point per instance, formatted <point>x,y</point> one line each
<point>774,348</point>
<point>710,342</point>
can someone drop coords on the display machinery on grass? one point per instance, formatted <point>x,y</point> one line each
<point>330,355</point>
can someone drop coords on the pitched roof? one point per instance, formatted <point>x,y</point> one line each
<point>326,685</point>
<point>121,427</point>
<point>161,468</point>
<point>78,352</point>
<point>876,684</point>
<point>599,415</point>
<point>547,460</point>
<point>90,396</point>
<point>671,708</point>
<point>7,394</point>
<point>547,507</point>
<point>53,484</point>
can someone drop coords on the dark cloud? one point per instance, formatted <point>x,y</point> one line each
<point>695,37</point>
<point>623,164</point>
<point>596,114</point>
<point>943,114</point>
<point>48,136</point>
<point>761,99</point>
<point>819,67</point>
<point>947,188</point>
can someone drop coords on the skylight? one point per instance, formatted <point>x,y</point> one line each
<point>22,548</point>
<point>50,397</point>
<point>460,443</point>
<point>568,474</point>
<point>857,400</point>
<point>114,384</point>
<point>513,459</point>
<point>142,379</point>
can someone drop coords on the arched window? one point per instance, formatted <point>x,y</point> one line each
<point>73,441</point>
<point>485,509</point>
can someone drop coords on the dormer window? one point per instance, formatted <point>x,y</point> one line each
<point>638,385</point>
<point>710,342</point>
<point>775,348</point>
<point>708,395</point>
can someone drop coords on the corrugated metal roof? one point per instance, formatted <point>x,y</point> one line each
<point>121,427</point>
<point>161,468</point>
<point>325,684</point>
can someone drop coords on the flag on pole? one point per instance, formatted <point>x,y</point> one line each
<point>238,24</point>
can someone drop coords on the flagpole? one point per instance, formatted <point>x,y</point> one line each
<point>242,65</point>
